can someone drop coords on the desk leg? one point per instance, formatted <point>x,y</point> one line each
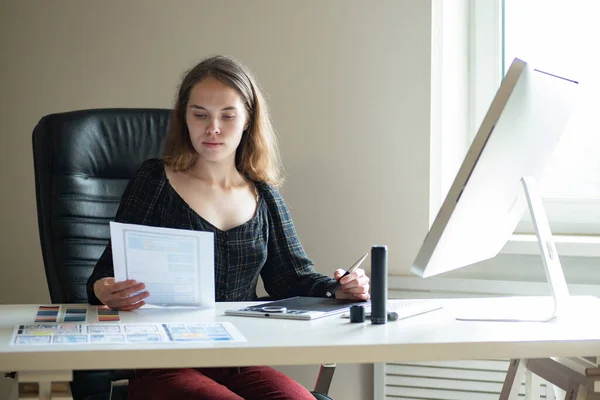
<point>575,391</point>
<point>575,385</point>
<point>514,377</point>
<point>44,385</point>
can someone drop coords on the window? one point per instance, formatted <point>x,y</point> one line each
<point>557,36</point>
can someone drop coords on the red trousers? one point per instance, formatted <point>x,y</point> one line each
<point>230,383</point>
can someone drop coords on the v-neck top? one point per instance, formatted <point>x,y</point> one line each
<point>267,245</point>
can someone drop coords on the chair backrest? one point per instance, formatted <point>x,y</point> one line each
<point>82,162</point>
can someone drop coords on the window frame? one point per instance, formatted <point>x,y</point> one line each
<point>569,216</point>
<point>472,29</point>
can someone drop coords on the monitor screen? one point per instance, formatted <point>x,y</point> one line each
<point>517,137</point>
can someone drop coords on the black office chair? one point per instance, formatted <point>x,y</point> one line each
<point>82,163</point>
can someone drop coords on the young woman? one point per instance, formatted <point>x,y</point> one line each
<point>219,173</point>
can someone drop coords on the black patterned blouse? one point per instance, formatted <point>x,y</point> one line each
<point>266,245</point>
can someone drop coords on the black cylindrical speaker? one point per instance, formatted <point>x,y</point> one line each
<point>378,284</point>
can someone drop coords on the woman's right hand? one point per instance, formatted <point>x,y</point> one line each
<point>116,295</point>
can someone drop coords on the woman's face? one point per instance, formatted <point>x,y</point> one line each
<point>216,118</point>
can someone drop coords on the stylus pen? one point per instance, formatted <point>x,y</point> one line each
<point>331,292</point>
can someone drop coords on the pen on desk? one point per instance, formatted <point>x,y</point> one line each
<point>331,292</point>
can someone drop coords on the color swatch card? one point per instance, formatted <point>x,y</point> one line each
<point>75,314</point>
<point>47,314</point>
<point>105,314</point>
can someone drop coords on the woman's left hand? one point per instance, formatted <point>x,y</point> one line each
<point>353,286</point>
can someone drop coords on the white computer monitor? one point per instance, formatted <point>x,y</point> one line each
<point>516,139</point>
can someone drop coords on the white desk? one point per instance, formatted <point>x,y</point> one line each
<point>435,336</point>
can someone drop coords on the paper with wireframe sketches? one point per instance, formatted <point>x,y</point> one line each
<point>176,265</point>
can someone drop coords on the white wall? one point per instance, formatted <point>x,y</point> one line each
<point>348,83</point>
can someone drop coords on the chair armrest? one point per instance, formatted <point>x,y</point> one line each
<point>324,378</point>
<point>121,374</point>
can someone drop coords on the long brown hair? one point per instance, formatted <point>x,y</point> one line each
<point>257,156</point>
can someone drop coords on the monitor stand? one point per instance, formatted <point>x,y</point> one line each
<point>535,309</point>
